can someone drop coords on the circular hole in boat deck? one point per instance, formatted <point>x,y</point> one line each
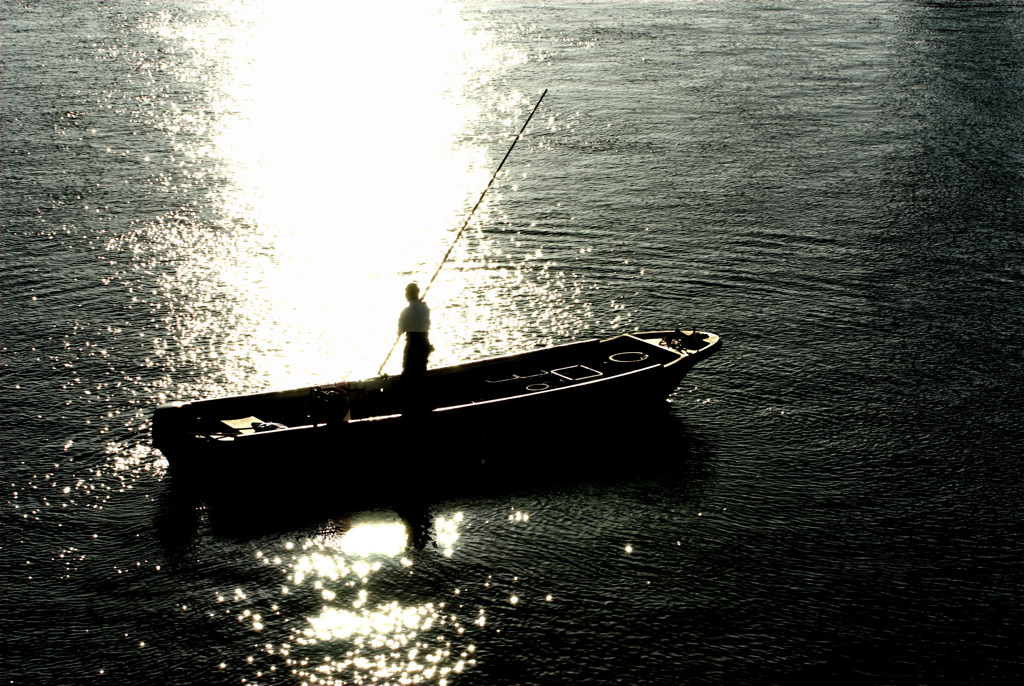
<point>629,356</point>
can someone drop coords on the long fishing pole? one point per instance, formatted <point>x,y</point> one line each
<point>468,219</point>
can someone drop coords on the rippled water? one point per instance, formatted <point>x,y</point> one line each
<point>203,198</point>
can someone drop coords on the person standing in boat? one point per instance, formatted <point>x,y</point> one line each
<point>414,322</point>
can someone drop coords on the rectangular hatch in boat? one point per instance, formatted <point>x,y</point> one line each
<point>577,372</point>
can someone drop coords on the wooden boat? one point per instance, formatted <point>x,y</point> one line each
<point>340,426</point>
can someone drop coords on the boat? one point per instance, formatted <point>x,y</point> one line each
<point>341,428</point>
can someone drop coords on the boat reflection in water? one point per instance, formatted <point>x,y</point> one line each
<point>365,435</point>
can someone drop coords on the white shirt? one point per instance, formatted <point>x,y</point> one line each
<point>415,318</point>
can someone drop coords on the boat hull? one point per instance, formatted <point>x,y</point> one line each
<point>361,431</point>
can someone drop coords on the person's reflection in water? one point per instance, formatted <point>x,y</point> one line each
<point>416,516</point>
<point>414,322</point>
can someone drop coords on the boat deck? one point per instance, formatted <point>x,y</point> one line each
<point>558,377</point>
<point>547,370</point>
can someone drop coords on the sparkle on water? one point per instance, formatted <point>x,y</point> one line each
<point>342,172</point>
<point>315,231</point>
<point>355,637</point>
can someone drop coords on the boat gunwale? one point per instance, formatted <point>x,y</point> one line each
<point>286,394</point>
<point>647,338</point>
<point>247,437</point>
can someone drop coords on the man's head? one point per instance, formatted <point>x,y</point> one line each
<point>412,292</point>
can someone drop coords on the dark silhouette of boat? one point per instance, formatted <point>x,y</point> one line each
<point>347,427</point>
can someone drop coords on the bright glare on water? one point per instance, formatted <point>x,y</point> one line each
<point>344,171</point>
<point>355,634</point>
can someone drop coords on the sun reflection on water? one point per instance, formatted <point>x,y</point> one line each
<point>386,643</point>
<point>315,170</point>
<point>447,532</point>
<point>342,169</point>
<point>352,637</point>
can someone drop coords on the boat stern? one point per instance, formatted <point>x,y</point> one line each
<point>170,422</point>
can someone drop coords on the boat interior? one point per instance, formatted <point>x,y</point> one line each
<point>483,381</point>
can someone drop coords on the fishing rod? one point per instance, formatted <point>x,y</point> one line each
<point>468,219</point>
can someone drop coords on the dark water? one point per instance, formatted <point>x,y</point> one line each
<point>204,198</point>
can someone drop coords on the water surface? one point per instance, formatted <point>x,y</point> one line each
<point>204,198</point>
